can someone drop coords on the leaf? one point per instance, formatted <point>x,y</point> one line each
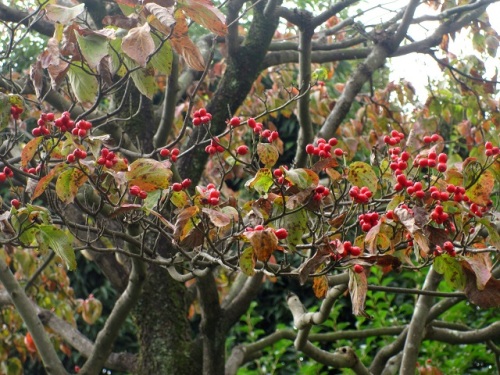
<point>321,255</point>
<point>302,178</point>
<point>494,235</point>
<point>489,297</point>
<point>59,241</point>
<point>162,60</point>
<point>184,224</point>
<point>247,261</point>
<point>320,285</point>
<point>361,174</point>
<point>217,218</point>
<point>63,15</point>
<point>481,265</point>
<point>264,242</point>
<point>204,13</point>
<point>452,271</point>
<point>481,191</point>
<point>148,174</point>
<point>188,50</point>
<point>164,15</point>
<point>358,286</point>
<point>296,225</point>
<point>121,21</point>
<point>36,76</point>
<point>179,198</point>
<point>45,180</point>
<point>138,44</point>
<point>84,85</point>
<point>68,183</point>
<point>145,82</point>
<point>268,154</point>
<point>93,47</point>
<point>262,181</point>
<point>29,151</point>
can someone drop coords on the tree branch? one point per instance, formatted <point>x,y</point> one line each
<point>463,337</point>
<point>417,325</point>
<point>28,313</point>
<point>9,14</point>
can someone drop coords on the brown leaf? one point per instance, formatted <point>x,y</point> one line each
<point>264,242</point>
<point>358,286</point>
<point>218,218</point>
<point>183,218</point>
<point>51,55</point>
<point>325,163</point>
<point>138,44</point>
<point>320,286</point>
<point>164,15</point>
<point>36,75</point>
<point>204,13</point>
<point>57,73</point>
<point>481,265</point>
<point>486,298</point>
<point>321,255</point>
<point>121,21</point>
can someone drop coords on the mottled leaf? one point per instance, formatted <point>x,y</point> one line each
<point>247,261</point>
<point>59,241</point>
<point>320,285</point>
<point>217,218</point>
<point>262,181</point>
<point>179,198</point>
<point>493,235</point>
<point>162,60</point>
<point>184,223</point>
<point>481,265</point>
<point>204,13</point>
<point>44,182</point>
<point>68,183</point>
<point>321,255</point>
<point>481,191</point>
<point>29,151</point>
<point>93,48</point>
<point>148,174</point>
<point>264,242</point>
<point>268,154</point>
<point>452,271</point>
<point>145,81</point>
<point>164,15</point>
<point>361,174</point>
<point>302,178</point>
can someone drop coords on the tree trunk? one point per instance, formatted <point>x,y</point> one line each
<point>163,329</point>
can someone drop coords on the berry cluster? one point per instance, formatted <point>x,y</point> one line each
<point>351,250</point>
<point>107,158</point>
<point>33,170</point>
<point>266,133</point>
<point>477,209</point>
<point>174,154</point>
<point>343,249</point>
<point>447,247</point>
<point>432,161</point>
<point>431,138</point>
<point>399,160</point>
<point>415,189</point>
<point>278,174</point>
<point>64,123</point>
<point>490,150</point>
<point>402,182</point>
<point>320,192</point>
<point>214,147</point>
<point>368,220</point>
<point>77,154</point>
<point>361,196</point>
<point>270,135</point>
<point>81,128</point>
<point>201,116</point>
<point>7,173</point>
<point>324,148</point>
<point>254,125</point>
<point>42,125</point>
<point>210,194</point>
<point>438,214</point>
<point>138,192</point>
<point>178,186</point>
<point>16,111</point>
<point>394,139</point>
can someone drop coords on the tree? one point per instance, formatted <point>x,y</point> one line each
<point>103,160</point>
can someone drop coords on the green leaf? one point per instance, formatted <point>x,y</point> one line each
<point>262,181</point>
<point>4,111</point>
<point>302,178</point>
<point>68,183</point>
<point>149,174</point>
<point>268,154</point>
<point>84,85</point>
<point>63,15</point>
<point>361,174</point>
<point>59,241</point>
<point>247,261</point>
<point>452,271</point>
<point>145,81</point>
<point>162,60</point>
<point>296,224</point>
<point>93,48</point>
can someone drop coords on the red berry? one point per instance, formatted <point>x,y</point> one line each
<point>143,194</point>
<point>259,227</point>
<point>3,177</point>
<point>135,190</point>
<point>242,150</point>
<point>266,133</point>
<point>441,167</point>
<point>338,152</point>
<point>390,214</point>
<point>176,186</point>
<point>186,183</point>
<point>164,152</point>
<point>15,203</point>
<point>434,138</point>
<point>281,233</point>
<point>235,121</point>
<point>277,173</point>
<point>251,122</point>
<point>427,139</point>
<point>355,251</point>
<point>365,227</point>
<point>71,158</point>
<point>197,121</point>
<point>333,141</point>
<point>310,149</point>
<point>358,268</point>
<point>442,158</point>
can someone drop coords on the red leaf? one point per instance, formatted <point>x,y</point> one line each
<point>486,298</point>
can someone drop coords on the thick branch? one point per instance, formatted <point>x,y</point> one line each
<point>416,329</point>
<point>9,14</point>
<point>463,337</point>
<point>28,313</point>
<point>116,361</point>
